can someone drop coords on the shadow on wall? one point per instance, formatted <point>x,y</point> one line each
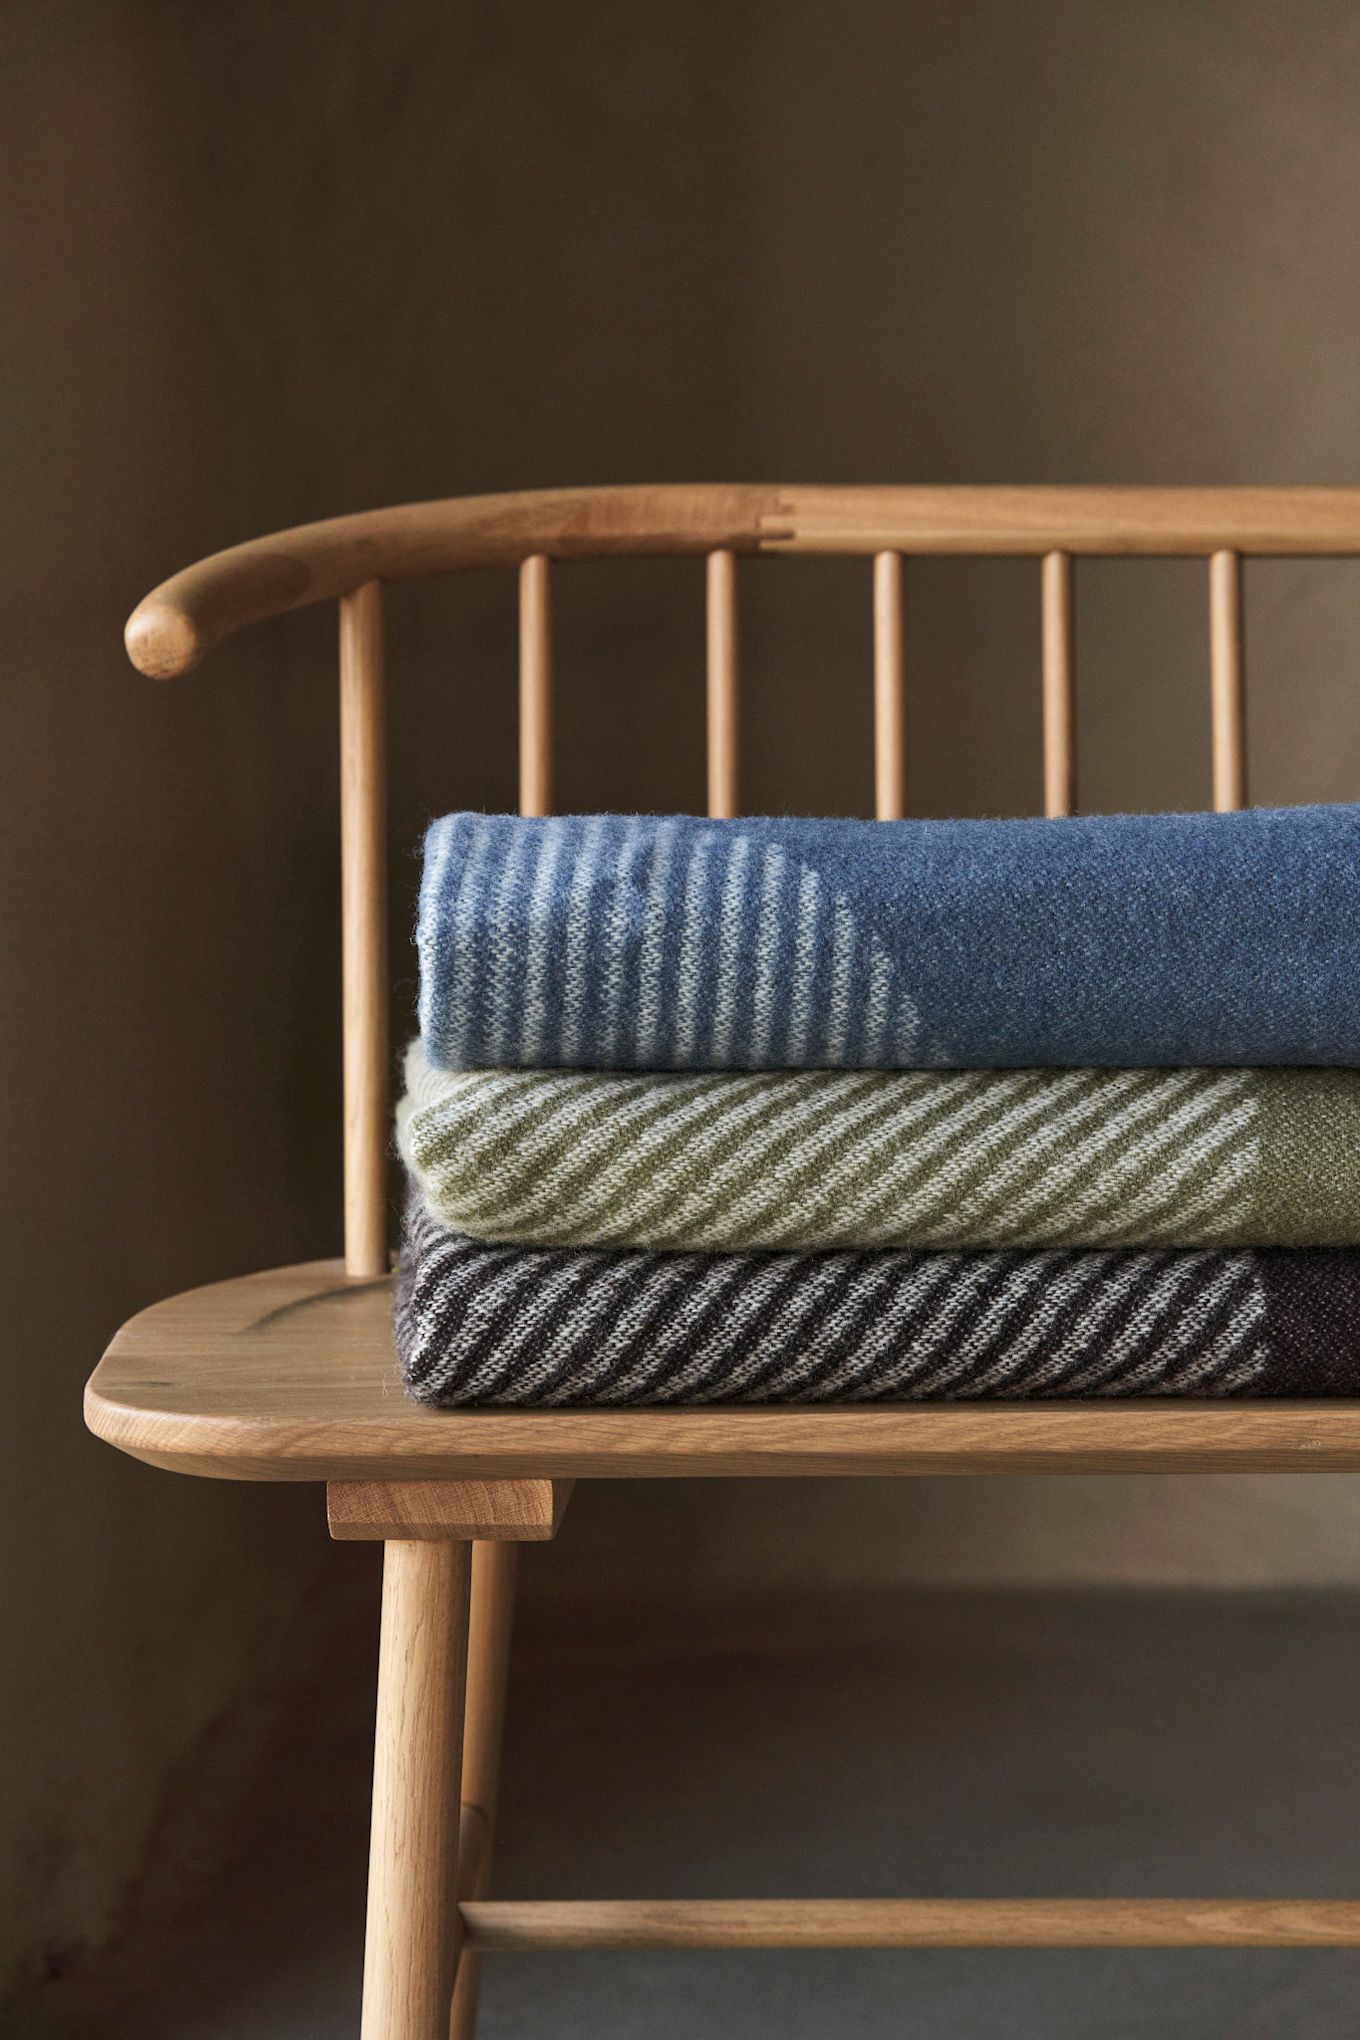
<point>268,276</point>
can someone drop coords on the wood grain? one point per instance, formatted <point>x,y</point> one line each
<point>363,886</point>
<point>414,1928</point>
<point>517,1511</point>
<point>913,1923</point>
<point>1227,689</point>
<point>290,1375</point>
<point>723,700</point>
<point>493,1598</point>
<point>535,686</point>
<point>890,710</point>
<point>179,622</point>
<point>1059,692</point>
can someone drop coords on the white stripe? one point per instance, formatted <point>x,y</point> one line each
<point>532,1149</point>
<point>1172,1112</point>
<point>430,919</point>
<point>565,1331</point>
<point>613,933</point>
<point>484,1119</point>
<point>1009,1300</point>
<point>756,1056</point>
<point>580,920</point>
<point>655,918</point>
<point>804,968</point>
<point>465,937</point>
<point>690,970</point>
<point>755,1293</point>
<point>1209,1360</point>
<point>1231,1185</point>
<point>504,949</point>
<point>572,1193</point>
<point>534,1019</point>
<point>668,1140</point>
<point>454,1278</point>
<point>1087,1364</point>
<point>730,959</point>
<point>1248,1369</point>
<point>1159,1366</point>
<point>838,1017</point>
<point>699,1204</point>
<point>876,1008</point>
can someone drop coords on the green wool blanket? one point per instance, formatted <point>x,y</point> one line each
<point>940,1158</point>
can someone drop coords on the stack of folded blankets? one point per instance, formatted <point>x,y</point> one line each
<point>787,1111</point>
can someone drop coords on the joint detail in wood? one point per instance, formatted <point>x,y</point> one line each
<point>458,1511</point>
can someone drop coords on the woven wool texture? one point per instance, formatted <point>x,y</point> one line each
<point>1133,941</point>
<point>952,1158</point>
<point>528,1325</point>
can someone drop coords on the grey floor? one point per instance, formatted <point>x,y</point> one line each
<point>921,1743</point>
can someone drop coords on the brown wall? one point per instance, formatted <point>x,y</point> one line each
<point>254,274</point>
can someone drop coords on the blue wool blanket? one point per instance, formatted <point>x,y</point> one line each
<point>671,942</point>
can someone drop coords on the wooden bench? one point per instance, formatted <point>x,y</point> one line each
<point>289,1374</point>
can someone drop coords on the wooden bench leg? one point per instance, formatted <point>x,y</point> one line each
<point>411,1947</point>
<point>437,1759</point>
<point>493,1600</point>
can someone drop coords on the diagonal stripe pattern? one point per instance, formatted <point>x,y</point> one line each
<point>642,942</point>
<point>813,1160</point>
<point>479,1324</point>
<point>781,1110</point>
<point>779,942</point>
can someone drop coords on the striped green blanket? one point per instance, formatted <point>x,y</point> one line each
<point>941,1158</point>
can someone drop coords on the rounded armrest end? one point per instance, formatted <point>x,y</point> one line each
<point>161,640</point>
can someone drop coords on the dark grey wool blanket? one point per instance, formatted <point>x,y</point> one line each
<point>512,1325</point>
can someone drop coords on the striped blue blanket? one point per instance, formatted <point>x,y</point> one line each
<point>670,942</point>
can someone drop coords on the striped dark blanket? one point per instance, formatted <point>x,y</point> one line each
<point>478,1324</point>
<point>1133,941</point>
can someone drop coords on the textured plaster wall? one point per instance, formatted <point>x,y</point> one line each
<point>255,273</point>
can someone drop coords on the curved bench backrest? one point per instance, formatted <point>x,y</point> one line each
<point>347,559</point>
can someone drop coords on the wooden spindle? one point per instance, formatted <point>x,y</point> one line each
<point>363,871</point>
<point>913,1923</point>
<point>1060,721</point>
<point>535,686</point>
<point>723,718</point>
<point>890,727</point>
<point>1227,692</point>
